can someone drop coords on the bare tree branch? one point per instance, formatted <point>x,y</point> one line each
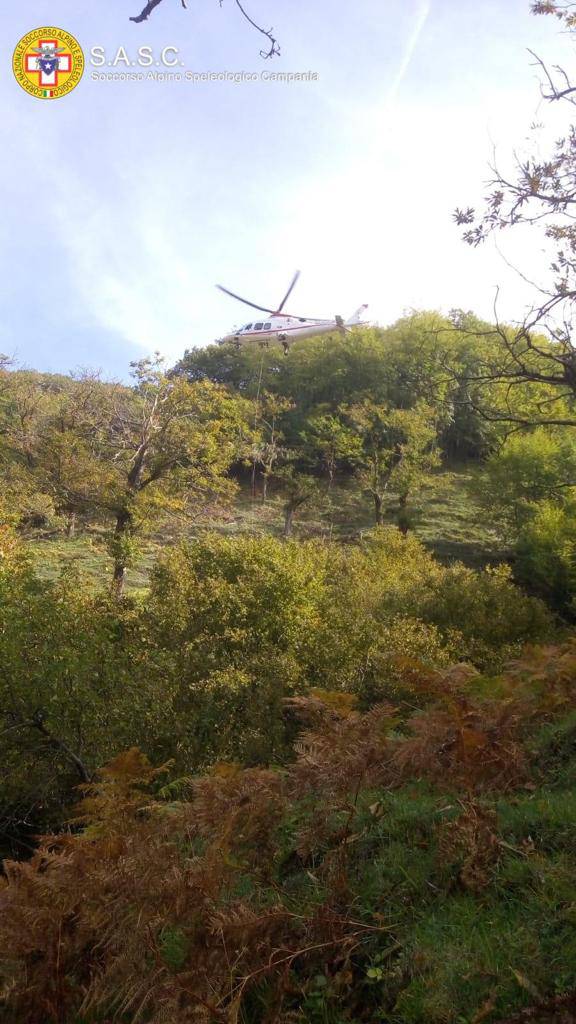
<point>272,51</point>
<point>37,722</point>
<point>541,190</point>
<point>145,14</point>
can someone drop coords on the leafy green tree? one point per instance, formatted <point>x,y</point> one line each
<point>227,621</point>
<point>70,458</point>
<point>21,498</point>
<point>532,466</point>
<point>546,555</point>
<point>399,451</point>
<point>268,447</point>
<point>298,489</point>
<point>389,599</point>
<point>136,455</point>
<point>70,691</point>
<point>49,445</point>
<point>333,371</point>
<point>424,357</point>
<point>170,444</point>
<point>529,490</point>
<point>331,442</point>
<point>248,370</point>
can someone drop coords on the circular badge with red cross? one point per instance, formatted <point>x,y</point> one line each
<point>48,63</point>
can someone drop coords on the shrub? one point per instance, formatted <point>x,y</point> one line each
<point>198,669</point>
<point>546,555</point>
<point>363,880</point>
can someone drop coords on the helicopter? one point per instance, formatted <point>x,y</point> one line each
<point>285,328</point>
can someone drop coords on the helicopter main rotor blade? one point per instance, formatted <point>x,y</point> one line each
<point>289,292</point>
<point>273,312</point>
<point>246,302</point>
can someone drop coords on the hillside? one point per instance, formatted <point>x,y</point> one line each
<point>287,591</point>
<point>300,629</point>
<point>448,520</point>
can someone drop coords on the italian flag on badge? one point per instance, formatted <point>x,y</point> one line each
<point>47,93</point>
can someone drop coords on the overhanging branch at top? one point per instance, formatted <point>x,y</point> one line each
<point>272,51</point>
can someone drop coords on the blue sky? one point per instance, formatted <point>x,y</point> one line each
<point>125,202</point>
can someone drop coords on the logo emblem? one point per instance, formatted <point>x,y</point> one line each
<point>48,63</point>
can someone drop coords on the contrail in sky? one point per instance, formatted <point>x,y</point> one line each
<point>422,15</point>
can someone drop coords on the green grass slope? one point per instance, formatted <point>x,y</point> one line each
<point>446,517</point>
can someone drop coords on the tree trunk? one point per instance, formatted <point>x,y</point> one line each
<point>58,744</point>
<point>71,526</point>
<point>378,509</point>
<point>119,579</point>
<point>403,521</point>
<point>123,521</point>
<point>288,520</point>
<point>264,486</point>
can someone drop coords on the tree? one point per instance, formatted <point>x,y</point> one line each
<point>70,462</point>
<point>171,444</point>
<point>546,555</point>
<point>332,371</point>
<point>49,447</point>
<point>529,490</point>
<point>540,192</point>
<point>531,467</point>
<point>298,489</point>
<point>273,45</point>
<point>399,450</point>
<point>136,455</point>
<point>268,449</point>
<point>331,441</point>
<point>69,688</point>
<point>414,360</point>
<point>247,369</point>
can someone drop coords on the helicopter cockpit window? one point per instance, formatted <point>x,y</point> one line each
<point>258,327</point>
<point>247,328</point>
<point>267,327</point>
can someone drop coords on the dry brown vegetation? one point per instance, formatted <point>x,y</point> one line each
<point>228,903</point>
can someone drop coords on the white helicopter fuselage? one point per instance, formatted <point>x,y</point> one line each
<point>285,330</point>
